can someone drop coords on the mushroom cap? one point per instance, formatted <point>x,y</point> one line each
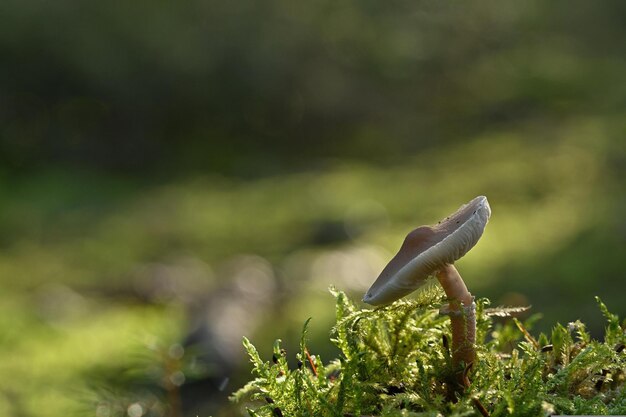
<point>427,249</point>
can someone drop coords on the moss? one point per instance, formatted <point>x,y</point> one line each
<point>395,361</point>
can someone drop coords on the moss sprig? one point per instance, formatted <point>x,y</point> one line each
<point>395,361</point>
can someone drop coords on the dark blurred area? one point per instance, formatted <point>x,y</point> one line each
<point>175,176</point>
<point>247,88</point>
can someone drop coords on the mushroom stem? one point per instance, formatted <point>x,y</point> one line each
<point>453,285</point>
<point>462,312</point>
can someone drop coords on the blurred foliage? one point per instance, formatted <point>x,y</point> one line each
<point>187,173</point>
<point>395,361</point>
<point>254,87</point>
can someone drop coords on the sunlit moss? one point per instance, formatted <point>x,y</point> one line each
<point>395,361</point>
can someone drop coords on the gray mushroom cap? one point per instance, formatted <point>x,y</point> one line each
<point>427,249</point>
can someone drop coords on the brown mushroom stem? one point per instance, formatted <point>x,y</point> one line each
<point>462,312</point>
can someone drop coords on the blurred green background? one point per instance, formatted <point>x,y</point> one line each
<point>176,175</point>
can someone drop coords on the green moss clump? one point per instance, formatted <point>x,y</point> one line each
<point>395,361</point>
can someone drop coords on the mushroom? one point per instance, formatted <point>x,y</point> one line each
<point>432,250</point>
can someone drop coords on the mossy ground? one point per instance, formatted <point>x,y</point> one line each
<point>395,361</point>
